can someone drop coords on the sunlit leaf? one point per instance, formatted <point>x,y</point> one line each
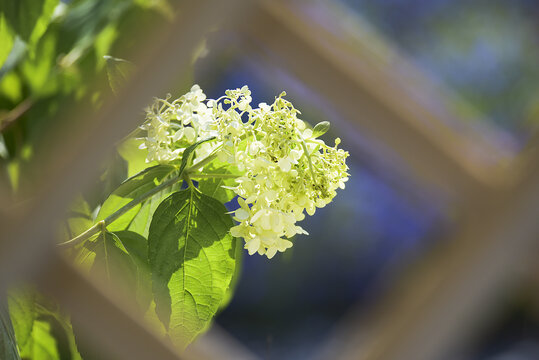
<point>214,186</point>
<point>37,70</point>
<point>41,331</point>
<point>118,71</point>
<point>11,86</point>
<point>137,218</point>
<point>58,327</point>
<point>191,254</point>
<point>321,128</point>
<point>136,158</point>
<point>42,344</point>
<point>186,156</point>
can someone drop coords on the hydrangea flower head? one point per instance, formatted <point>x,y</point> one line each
<point>285,169</point>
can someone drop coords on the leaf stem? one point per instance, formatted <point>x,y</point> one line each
<point>97,227</point>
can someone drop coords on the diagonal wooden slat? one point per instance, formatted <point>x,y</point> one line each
<point>103,323</point>
<point>436,155</point>
<point>109,325</point>
<point>437,309</point>
<point>370,94</point>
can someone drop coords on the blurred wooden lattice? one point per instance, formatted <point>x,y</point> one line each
<point>437,311</point>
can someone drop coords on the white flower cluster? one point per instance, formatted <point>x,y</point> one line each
<point>285,169</point>
<point>173,126</point>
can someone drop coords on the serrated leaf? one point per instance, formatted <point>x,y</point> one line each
<point>137,218</point>
<point>21,304</point>
<point>8,344</point>
<point>321,128</point>
<point>118,72</point>
<point>137,247</point>
<point>191,256</point>
<point>214,186</point>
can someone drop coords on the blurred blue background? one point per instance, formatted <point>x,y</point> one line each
<point>484,51</point>
<point>487,51</point>
<point>285,307</point>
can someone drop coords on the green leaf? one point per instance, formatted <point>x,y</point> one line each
<point>118,71</point>
<point>114,174</point>
<point>238,258</point>
<point>137,218</point>
<point>134,156</point>
<point>112,261</point>
<point>43,344</point>
<point>7,39</point>
<point>62,331</point>
<point>191,255</point>
<point>50,336</point>
<point>8,345</point>
<point>320,129</point>
<point>10,86</point>
<point>214,186</point>
<point>39,71</point>
<point>79,218</point>
<point>56,326</point>
<point>103,43</point>
<point>28,19</point>
<point>21,303</point>
<point>137,247</point>
<point>186,157</point>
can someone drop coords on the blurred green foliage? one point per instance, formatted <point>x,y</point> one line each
<point>52,59</point>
